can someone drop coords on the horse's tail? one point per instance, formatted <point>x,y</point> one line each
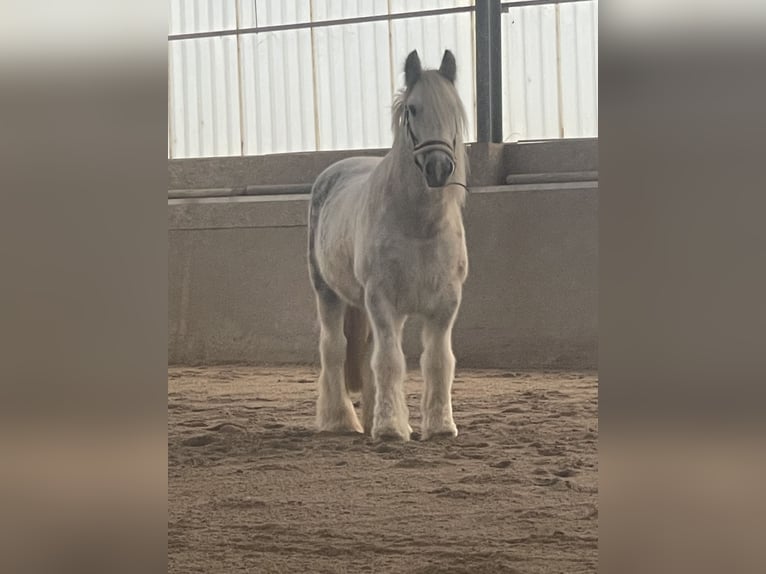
<point>357,331</point>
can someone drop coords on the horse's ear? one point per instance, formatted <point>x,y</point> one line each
<point>412,69</point>
<point>448,69</point>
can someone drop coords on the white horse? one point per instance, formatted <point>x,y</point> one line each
<point>386,241</point>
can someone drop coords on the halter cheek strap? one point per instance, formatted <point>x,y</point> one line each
<point>413,139</point>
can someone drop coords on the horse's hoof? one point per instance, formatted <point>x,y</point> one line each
<point>351,427</point>
<point>448,432</point>
<point>339,432</point>
<point>338,421</point>
<point>389,434</point>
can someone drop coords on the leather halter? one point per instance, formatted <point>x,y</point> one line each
<point>419,148</point>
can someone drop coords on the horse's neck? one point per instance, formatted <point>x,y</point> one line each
<point>407,194</point>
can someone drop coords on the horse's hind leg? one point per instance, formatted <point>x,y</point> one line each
<point>438,365</point>
<point>335,412</point>
<point>368,391</point>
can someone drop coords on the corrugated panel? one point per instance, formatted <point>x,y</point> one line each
<point>188,16</point>
<point>550,71</point>
<point>204,114</point>
<point>331,88</point>
<point>579,69</point>
<point>203,94</point>
<point>352,76</point>
<point>277,95</point>
<point>431,36</point>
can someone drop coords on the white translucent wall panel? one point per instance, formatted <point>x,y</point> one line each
<point>203,96</point>
<point>331,88</point>
<point>274,12</point>
<point>353,80</point>
<point>277,84</point>
<point>530,77</point>
<point>579,68</point>
<point>430,37</point>
<point>189,16</point>
<point>550,67</point>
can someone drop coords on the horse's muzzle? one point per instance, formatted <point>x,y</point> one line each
<point>438,168</point>
<point>437,163</point>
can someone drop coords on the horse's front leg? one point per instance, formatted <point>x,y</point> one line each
<point>390,414</point>
<point>438,365</point>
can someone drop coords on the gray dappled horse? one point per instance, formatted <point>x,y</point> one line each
<point>386,241</point>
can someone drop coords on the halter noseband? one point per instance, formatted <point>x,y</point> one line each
<point>419,148</point>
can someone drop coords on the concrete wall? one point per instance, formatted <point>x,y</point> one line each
<point>239,288</point>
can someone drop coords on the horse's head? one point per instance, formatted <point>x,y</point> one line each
<point>432,117</point>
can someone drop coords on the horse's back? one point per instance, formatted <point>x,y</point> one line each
<point>339,188</point>
<point>346,174</point>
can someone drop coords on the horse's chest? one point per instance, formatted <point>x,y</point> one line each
<point>423,272</point>
<point>438,261</point>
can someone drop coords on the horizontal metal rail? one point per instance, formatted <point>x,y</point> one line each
<point>242,191</point>
<point>551,177</point>
<point>322,23</point>
<point>529,179</point>
<point>359,20</point>
<point>522,3</point>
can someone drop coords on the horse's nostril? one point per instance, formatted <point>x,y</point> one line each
<point>437,170</point>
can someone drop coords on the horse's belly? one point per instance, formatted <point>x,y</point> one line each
<point>349,289</point>
<point>337,268</point>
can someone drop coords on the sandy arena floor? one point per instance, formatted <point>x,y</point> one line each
<point>253,489</point>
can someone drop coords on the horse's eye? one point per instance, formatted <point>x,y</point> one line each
<point>412,111</point>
